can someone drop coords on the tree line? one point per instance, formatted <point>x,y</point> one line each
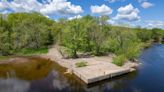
<point>24,31</point>
<point>91,35</point>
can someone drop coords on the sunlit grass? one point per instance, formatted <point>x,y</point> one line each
<point>81,64</point>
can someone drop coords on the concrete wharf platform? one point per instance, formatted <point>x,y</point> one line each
<point>97,69</point>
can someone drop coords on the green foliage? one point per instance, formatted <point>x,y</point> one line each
<point>81,64</point>
<point>29,52</point>
<point>85,35</point>
<point>68,53</point>
<point>28,33</point>
<point>4,36</point>
<point>73,37</point>
<point>119,60</point>
<point>133,50</point>
<point>93,35</point>
<point>25,31</point>
<point>144,34</point>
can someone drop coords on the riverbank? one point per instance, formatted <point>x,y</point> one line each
<point>96,69</point>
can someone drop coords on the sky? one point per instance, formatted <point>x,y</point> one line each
<point>143,13</point>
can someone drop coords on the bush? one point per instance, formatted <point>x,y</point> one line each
<point>67,53</point>
<point>81,64</point>
<point>133,51</point>
<point>119,60</point>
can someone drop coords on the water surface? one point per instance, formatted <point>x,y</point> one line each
<point>41,75</point>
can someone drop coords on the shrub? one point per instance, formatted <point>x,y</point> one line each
<point>133,51</point>
<point>119,60</point>
<point>81,64</point>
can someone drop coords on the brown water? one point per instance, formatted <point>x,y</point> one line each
<point>32,74</point>
<point>41,75</point>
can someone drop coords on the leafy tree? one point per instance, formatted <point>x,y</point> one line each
<point>5,40</point>
<point>25,30</point>
<point>73,37</point>
<point>93,35</point>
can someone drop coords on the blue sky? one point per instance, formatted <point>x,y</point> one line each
<point>154,12</point>
<point>145,13</point>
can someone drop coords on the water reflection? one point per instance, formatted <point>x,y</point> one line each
<point>59,82</point>
<point>14,85</point>
<point>111,84</point>
<point>41,75</point>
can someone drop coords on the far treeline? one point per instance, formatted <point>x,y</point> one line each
<point>21,33</point>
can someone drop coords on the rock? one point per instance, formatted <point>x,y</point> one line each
<point>69,71</point>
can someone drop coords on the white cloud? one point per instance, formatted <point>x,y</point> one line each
<point>127,13</point>
<point>112,1</point>
<point>140,1</point>
<point>120,23</point>
<point>128,9</point>
<point>155,24</point>
<point>75,17</point>
<point>52,7</point>
<point>21,5</point>
<point>147,5</point>
<point>110,21</point>
<point>3,5</point>
<point>5,12</point>
<point>61,7</point>
<point>102,10</point>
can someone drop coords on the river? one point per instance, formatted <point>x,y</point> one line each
<point>41,75</point>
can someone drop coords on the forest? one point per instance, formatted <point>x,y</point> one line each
<point>23,33</point>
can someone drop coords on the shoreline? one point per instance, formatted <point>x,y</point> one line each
<point>97,69</point>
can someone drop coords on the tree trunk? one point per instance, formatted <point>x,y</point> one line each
<point>75,54</point>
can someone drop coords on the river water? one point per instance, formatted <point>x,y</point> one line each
<point>40,75</point>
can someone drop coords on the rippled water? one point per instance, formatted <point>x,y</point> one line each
<point>40,75</point>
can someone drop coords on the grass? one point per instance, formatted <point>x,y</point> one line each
<point>4,57</point>
<point>81,64</point>
<point>29,52</point>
